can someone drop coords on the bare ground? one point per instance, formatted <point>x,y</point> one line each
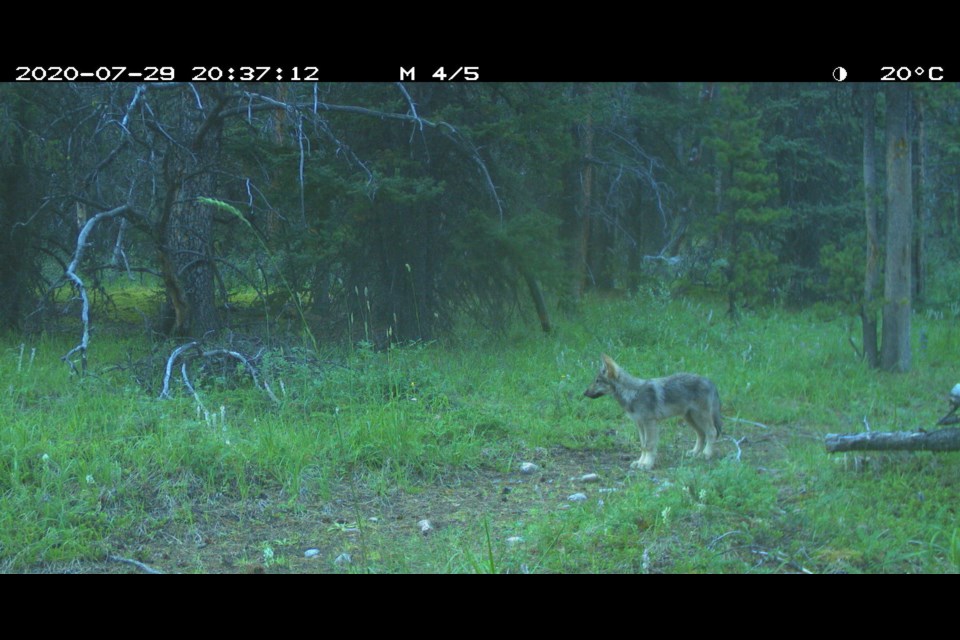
<point>270,532</point>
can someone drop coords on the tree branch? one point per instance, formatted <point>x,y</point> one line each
<point>445,128</point>
<point>136,563</point>
<point>181,350</point>
<point>165,392</point>
<point>71,275</point>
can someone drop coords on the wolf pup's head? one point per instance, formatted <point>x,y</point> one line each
<point>604,382</point>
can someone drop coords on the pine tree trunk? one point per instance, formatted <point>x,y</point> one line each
<point>895,351</point>
<point>16,199</point>
<point>13,199</point>
<point>924,205</point>
<point>189,242</point>
<point>868,311</point>
<point>187,234</point>
<point>582,246</point>
<point>538,300</point>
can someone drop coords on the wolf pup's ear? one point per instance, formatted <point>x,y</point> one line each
<point>610,366</point>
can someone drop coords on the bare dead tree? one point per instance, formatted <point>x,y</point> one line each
<point>71,275</point>
<point>258,102</point>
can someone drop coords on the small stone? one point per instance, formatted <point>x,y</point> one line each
<point>425,526</point>
<point>343,559</point>
<point>589,477</point>
<point>577,497</point>
<point>311,553</point>
<point>528,467</point>
<point>514,540</point>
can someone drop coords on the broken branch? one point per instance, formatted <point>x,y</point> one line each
<point>236,355</point>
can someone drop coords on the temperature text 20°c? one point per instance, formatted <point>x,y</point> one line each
<point>891,74</point>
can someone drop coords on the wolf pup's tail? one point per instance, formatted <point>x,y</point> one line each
<point>717,418</point>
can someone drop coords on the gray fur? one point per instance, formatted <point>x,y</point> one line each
<point>690,396</point>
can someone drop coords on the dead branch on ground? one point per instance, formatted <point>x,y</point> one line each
<point>190,351</point>
<point>940,440</point>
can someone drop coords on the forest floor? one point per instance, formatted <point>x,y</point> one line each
<point>355,529</point>
<point>409,460</point>
<point>266,535</point>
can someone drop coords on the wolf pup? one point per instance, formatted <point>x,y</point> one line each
<point>648,401</point>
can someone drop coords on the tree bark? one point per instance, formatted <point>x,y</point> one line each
<point>940,440</point>
<point>538,300</point>
<point>582,246</point>
<point>868,310</point>
<point>187,234</point>
<point>895,351</point>
<point>14,246</point>
<point>17,195</point>
<point>924,207</point>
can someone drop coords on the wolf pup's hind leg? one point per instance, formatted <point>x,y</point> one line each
<point>701,435</point>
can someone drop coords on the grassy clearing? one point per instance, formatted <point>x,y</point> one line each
<point>364,444</point>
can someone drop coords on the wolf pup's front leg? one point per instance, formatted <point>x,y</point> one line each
<point>649,438</point>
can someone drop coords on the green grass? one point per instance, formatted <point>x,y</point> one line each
<point>363,444</point>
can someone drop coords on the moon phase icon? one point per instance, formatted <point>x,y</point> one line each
<point>839,74</point>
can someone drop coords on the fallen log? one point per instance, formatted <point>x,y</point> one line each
<point>939,440</point>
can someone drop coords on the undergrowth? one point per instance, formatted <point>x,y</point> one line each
<point>97,466</point>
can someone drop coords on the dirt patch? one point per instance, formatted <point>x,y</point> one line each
<point>270,532</point>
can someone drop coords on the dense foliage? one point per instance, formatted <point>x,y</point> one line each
<point>383,212</point>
